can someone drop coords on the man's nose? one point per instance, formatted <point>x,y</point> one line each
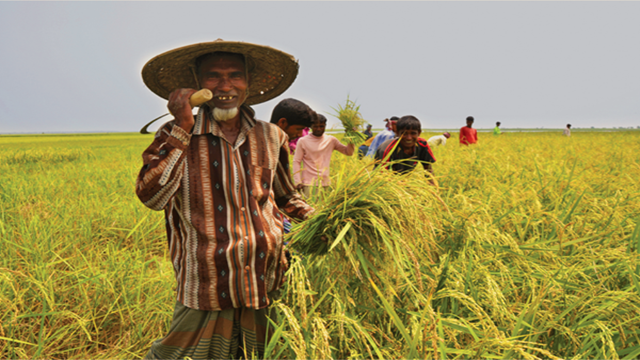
<point>224,84</point>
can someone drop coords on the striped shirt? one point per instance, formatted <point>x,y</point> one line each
<point>221,204</point>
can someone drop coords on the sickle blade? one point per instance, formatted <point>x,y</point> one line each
<point>144,129</point>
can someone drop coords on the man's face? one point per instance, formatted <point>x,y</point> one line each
<point>409,138</point>
<point>393,127</point>
<point>294,131</point>
<point>317,128</point>
<point>225,77</point>
<point>469,123</point>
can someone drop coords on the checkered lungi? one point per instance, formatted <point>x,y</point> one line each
<point>226,334</point>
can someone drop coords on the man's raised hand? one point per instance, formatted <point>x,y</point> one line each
<point>180,108</point>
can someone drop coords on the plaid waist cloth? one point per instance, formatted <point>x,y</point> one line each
<point>227,334</point>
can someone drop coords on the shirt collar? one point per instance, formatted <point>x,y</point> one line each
<point>399,150</point>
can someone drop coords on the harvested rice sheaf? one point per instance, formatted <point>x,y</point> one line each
<point>352,122</point>
<point>364,207</point>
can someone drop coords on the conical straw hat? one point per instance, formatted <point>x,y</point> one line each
<point>271,71</point>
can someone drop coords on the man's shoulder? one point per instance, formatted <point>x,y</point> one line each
<point>380,149</point>
<point>268,129</point>
<point>385,135</point>
<point>304,139</point>
<point>332,138</point>
<point>385,143</point>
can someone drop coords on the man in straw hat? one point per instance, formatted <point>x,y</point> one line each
<point>220,176</point>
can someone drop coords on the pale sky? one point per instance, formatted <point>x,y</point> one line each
<point>75,66</point>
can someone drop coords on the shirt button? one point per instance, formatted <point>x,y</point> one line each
<point>242,208</point>
<point>246,238</point>
<point>247,268</point>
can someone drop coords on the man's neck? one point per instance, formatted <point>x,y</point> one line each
<point>231,124</point>
<point>230,129</point>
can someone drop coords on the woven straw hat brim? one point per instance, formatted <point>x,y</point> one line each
<point>271,71</point>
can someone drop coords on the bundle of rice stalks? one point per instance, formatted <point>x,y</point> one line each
<point>379,237</point>
<point>352,121</point>
<point>365,207</point>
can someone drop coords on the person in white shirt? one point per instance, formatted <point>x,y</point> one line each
<point>439,140</point>
<point>567,130</point>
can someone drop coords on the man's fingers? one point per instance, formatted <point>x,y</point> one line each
<point>179,100</point>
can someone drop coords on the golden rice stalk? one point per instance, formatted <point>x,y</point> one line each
<point>352,122</point>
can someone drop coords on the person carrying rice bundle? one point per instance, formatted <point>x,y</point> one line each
<point>220,176</point>
<point>314,154</point>
<point>407,150</point>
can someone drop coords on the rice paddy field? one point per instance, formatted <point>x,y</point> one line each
<point>527,247</point>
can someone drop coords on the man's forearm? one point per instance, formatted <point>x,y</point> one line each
<point>163,167</point>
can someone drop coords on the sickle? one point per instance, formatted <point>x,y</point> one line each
<point>197,98</point>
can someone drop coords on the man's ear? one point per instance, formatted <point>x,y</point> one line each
<point>283,123</point>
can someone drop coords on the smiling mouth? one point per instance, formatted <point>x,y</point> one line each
<point>226,97</point>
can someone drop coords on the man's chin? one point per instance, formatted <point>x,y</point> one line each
<point>224,114</point>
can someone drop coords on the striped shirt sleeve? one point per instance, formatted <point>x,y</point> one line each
<point>163,166</point>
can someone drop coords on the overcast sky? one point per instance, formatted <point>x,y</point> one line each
<point>75,66</point>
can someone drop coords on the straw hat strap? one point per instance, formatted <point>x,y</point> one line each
<point>195,75</point>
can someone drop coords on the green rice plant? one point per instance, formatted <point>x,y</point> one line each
<point>352,121</point>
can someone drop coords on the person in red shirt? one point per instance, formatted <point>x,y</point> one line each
<point>468,135</point>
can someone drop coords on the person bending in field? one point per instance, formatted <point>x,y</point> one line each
<point>383,136</point>
<point>222,177</point>
<point>406,150</point>
<point>468,135</point>
<point>293,117</point>
<point>314,153</point>
<point>439,140</point>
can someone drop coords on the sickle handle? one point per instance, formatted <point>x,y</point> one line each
<point>200,97</point>
<point>197,98</point>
